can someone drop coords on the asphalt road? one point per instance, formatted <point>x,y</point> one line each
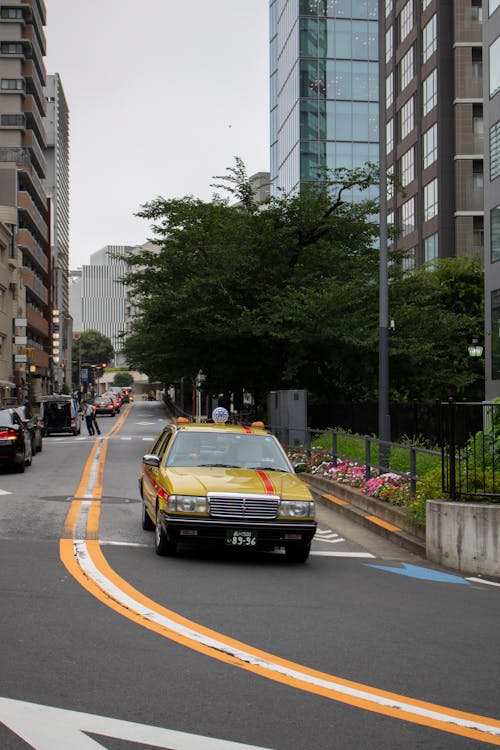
<point>123,648</point>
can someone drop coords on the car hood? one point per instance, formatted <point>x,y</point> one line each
<point>202,480</point>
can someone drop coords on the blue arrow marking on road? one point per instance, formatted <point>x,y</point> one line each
<point>424,574</point>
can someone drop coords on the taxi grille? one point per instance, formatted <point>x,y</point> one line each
<point>243,506</point>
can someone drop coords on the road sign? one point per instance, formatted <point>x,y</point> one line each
<point>20,358</point>
<point>28,352</point>
<point>47,728</point>
<point>84,375</point>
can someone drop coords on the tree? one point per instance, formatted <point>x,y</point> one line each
<point>123,378</point>
<point>93,347</point>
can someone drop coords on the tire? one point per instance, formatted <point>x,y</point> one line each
<point>147,523</point>
<point>28,459</point>
<point>19,468</point>
<point>297,552</point>
<point>39,449</point>
<point>33,447</point>
<point>163,545</point>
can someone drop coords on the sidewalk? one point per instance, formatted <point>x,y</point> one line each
<point>385,520</point>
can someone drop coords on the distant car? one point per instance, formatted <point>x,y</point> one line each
<point>104,405</point>
<point>32,423</point>
<point>15,441</point>
<point>115,398</point>
<point>224,484</point>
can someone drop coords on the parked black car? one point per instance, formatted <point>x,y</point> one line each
<point>60,413</point>
<point>31,423</point>
<point>15,441</point>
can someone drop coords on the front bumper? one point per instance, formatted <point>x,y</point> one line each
<point>269,533</point>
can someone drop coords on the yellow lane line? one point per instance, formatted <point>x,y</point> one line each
<point>80,492</point>
<point>87,564</point>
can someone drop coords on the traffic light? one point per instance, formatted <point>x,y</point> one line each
<point>104,365</point>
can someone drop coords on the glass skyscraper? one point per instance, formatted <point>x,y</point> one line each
<point>324,88</point>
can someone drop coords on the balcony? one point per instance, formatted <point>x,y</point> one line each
<point>39,357</point>
<point>37,157</point>
<point>37,322</point>
<point>35,285</point>
<point>27,243</point>
<point>34,217</point>
<point>33,119</point>
<point>39,9</point>
<point>30,182</point>
<point>33,85</point>
<point>33,52</point>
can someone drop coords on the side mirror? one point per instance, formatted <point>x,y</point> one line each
<point>300,467</point>
<point>151,460</point>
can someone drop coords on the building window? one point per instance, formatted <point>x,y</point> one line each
<point>408,259</point>
<point>430,199</point>
<point>477,175</point>
<point>12,120</point>
<point>12,84</point>
<point>407,118</point>
<point>478,232</point>
<point>388,7</point>
<point>408,167</point>
<point>495,67</point>
<point>429,39</point>
<point>431,248</point>
<point>495,234</point>
<point>408,217</point>
<point>406,20</point>
<point>494,4</point>
<point>12,13</point>
<point>430,146</point>
<point>476,11</point>
<point>406,70</point>
<point>389,90</point>
<point>388,44</point>
<point>477,64</point>
<point>429,92</point>
<point>495,334</point>
<point>495,151</point>
<point>389,129</point>
<point>425,4</point>
<point>11,48</point>
<point>477,119</point>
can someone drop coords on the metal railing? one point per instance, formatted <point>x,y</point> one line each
<point>470,449</point>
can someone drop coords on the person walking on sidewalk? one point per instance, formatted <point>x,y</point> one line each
<point>88,413</point>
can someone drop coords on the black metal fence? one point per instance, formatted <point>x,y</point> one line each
<point>470,449</point>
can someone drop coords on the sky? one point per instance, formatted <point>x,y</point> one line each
<point>162,94</point>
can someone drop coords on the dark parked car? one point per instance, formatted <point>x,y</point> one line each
<point>31,423</point>
<point>60,413</point>
<point>15,441</point>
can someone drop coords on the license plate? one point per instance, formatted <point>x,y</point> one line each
<point>241,538</point>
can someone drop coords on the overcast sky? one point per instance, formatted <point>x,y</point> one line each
<point>163,94</point>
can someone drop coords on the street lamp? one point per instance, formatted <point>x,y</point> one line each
<point>475,349</point>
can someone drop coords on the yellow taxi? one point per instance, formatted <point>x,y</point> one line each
<point>224,483</point>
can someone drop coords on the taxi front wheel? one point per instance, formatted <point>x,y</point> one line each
<point>164,545</point>
<point>147,523</point>
<point>297,551</point>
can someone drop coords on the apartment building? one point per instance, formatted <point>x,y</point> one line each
<point>491,26</point>
<point>57,187</point>
<point>433,70</point>
<point>323,88</point>
<point>23,169</point>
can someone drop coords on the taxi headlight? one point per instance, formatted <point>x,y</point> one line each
<point>296,509</point>
<point>187,503</point>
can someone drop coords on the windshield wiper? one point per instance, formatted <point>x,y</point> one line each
<point>266,468</point>
<point>222,466</point>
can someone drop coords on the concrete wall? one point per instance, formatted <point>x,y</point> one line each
<point>464,536</point>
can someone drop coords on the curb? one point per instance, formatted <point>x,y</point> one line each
<point>383,519</point>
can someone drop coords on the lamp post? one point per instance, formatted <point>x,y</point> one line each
<point>475,349</point>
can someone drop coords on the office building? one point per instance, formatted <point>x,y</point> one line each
<point>323,88</point>
<point>23,169</point>
<point>433,72</point>
<point>57,187</point>
<point>491,26</point>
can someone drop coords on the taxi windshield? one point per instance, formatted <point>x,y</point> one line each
<point>228,450</point>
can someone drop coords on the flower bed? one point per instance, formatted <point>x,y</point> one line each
<point>389,487</point>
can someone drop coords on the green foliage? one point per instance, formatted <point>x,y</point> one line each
<point>93,347</point>
<point>123,378</point>
<point>286,295</point>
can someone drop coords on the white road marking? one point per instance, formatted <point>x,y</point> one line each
<point>481,580</point>
<point>321,553</point>
<point>47,728</point>
<point>145,424</point>
<point>5,492</point>
<point>318,553</point>
<point>358,692</point>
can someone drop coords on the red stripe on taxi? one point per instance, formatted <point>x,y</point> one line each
<point>266,482</point>
<point>247,430</point>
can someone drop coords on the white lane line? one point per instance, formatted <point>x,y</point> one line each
<point>481,580</point>
<point>392,702</point>
<point>321,553</point>
<point>318,553</point>
<point>5,492</point>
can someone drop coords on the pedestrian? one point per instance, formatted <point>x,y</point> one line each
<point>88,413</point>
<point>96,423</point>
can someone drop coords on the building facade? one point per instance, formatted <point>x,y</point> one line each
<point>491,18</point>
<point>23,169</point>
<point>57,187</point>
<point>433,70</point>
<point>323,88</point>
